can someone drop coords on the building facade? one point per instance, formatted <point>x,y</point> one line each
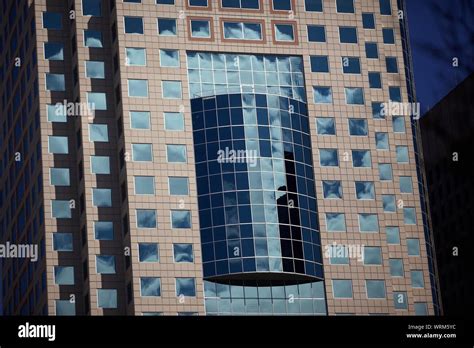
<point>211,157</point>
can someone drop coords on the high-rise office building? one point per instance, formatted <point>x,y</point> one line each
<point>448,148</point>
<point>211,157</point>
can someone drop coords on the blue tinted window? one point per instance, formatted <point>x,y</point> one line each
<point>104,230</point>
<point>178,186</point>
<point>374,80</point>
<point>146,218</point>
<point>395,94</point>
<point>358,127</point>
<point>348,34</point>
<point>183,252</point>
<point>92,7</point>
<point>319,64</point>
<point>393,235</point>
<point>200,28</point>
<point>368,223</point>
<point>201,3</point>
<point>388,36</point>
<point>166,26</point>
<point>107,298</point>
<point>100,164</point>
<point>375,288</point>
<point>365,190</point>
<point>325,126</point>
<point>247,4</point>
<point>140,119</point>
<point>64,275</point>
<point>55,82</point>
<point>361,159</point>
<point>102,197</point>
<point>281,5</point>
<point>142,152</point>
<point>396,267</point>
<point>148,252</point>
<point>135,56</point>
<point>351,65</point>
<point>398,123</point>
<point>322,95</point>
<point>354,95</point>
<point>345,6</point>
<point>342,288</point>
<point>185,287</point>
<point>381,141</point>
<point>133,25</point>
<point>372,255</point>
<point>105,264</point>
<point>409,216</point>
<point>368,20</point>
<point>150,286</point>
<point>385,171</point>
<point>392,66</point>
<point>328,157</point>
<point>417,279</point>
<point>62,242</point>
<point>52,20</point>
<point>335,222</point>
<point>371,50</point>
<point>332,189</point>
<point>176,153</point>
<point>316,33</point>
<point>60,176</point>
<point>406,184</point>
<point>314,5</point>
<point>389,205</point>
<point>53,51</point>
<point>413,246</point>
<point>385,7</point>
<point>180,219</point>
<point>93,38</point>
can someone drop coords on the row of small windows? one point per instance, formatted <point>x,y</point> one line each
<point>317,33</point>
<point>147,252</point>
<point>342,6</point>
<point>359,127</point>
<point>363,159</point>
<point>368,222</point>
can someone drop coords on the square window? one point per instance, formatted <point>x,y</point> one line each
<point>378,110</point>
<point>133,25</point>
<point>417,279</point>
<point>97,101</point>
<point>93,39</point>
<point>176,153</point>
<point>62,242</point>
<point>98,133</point>
<point>281,5</point>
<point>104,230</point>
<point>375,80</point>
<point>100,165</point>
<point>361,159</point>
<point>313,5</point>
<point>402,154</point>
<point>167,27</point>
<point>185,287</point>
<point>55,82</point>
<point>421,308</point>
<point>413,246</point>
<point>95,70</point>
<point>345,6</point>
<point>135,56</point>
<point>389,205</point>
<point>148,252</point>
<point>332,189</point>
<point>335,222</point>
<point>92,8</point>
<point>358,127</point>
<point>395,94</point>
<point>144,185</point>
<point>52,20</point>
<point>105,264</point>
<point>381,141</point>
<point>150,286</point>
<point>56,113</point>
<point>319,64</point>
<point>368,223</point>
<point>400,300</point>
<point>396,267</point>
<point>348,34</point>
<point>372,256</point>
<point>328,158</point>
<point>325,126</point>
<point>409,216</point>
<point>58,145</point>
<point>385,171</point>
<point>107,298</point>
<point>393,235</point>
<point>138,88</point>
<point>354,95</point>
<point>60,176</point>
<point>178,186</point>
<point>174,121</point>
<point>65,308</point>
<point>101,197</point>
<point>284,32</point>
<point>54,51</point>
<point>351,65</point>
<point>406,184</point>
<point>183,253</point>
<point>64,275</point>
<point>180,219</point>
<point>146,218</point>
<point>375,289</point>
<point>142,153</point>
<point>365,190</point>
<point>388,36</point>
<point>342,288</point>
<point>392,66</point>
<point>171,89</point>
<point>368,20</point>
<point>322,95</point>
<point>316,33</point>
<point>398,123</point>
<point>140,120</point>
<point>200,28</point>
<point>169,58</point>
<point>371,50</point>
<point>338,255</point>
